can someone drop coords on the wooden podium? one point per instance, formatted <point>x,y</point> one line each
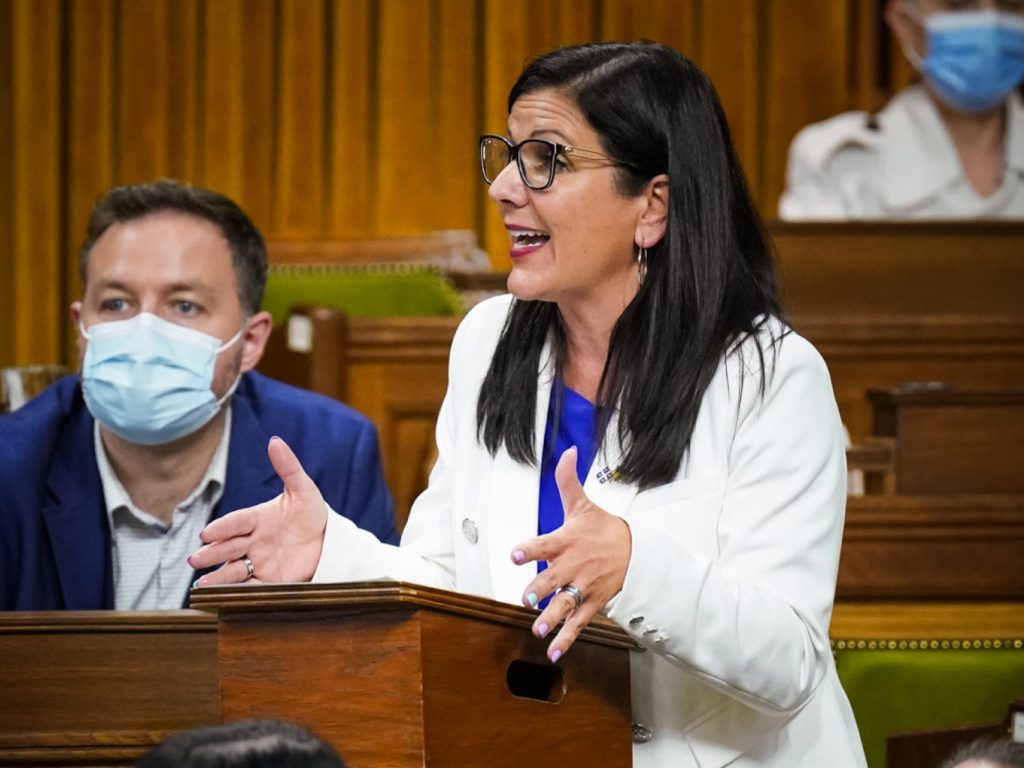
<point>397,675</point>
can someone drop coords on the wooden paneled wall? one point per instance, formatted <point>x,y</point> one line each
<point>347,118</point>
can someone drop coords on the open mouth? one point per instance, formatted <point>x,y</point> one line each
<point>529,238</point>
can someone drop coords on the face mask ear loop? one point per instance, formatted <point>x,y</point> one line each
<point>229,393</point>
<point>238,379</point>
<point>234,339</point>
<point>915,59</point>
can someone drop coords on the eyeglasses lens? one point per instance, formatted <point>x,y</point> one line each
<point>494,156</point>
<point>535,161</point>
<point>534,156</point>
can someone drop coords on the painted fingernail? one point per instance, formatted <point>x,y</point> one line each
<point>555,655</point>
<point>531,598</point>
<point>542,630</point>
<point>196,582</point>
<point>519,556</point>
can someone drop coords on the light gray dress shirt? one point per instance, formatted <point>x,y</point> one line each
<point>150,569</point>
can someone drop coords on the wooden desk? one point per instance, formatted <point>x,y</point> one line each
<point>951,441</point>
<point>898,547</point>
<point>99,688</point>
<point>900,269</point>
<point>890,303</point>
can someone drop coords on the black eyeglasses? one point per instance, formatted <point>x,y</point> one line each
<point>536,158</point>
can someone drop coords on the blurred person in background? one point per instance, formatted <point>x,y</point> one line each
<point>950,146</point>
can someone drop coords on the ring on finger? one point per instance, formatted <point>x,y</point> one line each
<point>248,567</point>
<point>574,592</point>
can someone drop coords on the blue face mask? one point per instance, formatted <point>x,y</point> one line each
<point>148,380</point>
<point>975,58</point>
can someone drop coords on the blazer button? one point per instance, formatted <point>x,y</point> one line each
<point>469,531</point>
<point>641,733</point>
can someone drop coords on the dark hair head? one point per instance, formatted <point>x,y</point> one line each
<point>709,280</point>
<point>244,744</point>
<point>998,752</point>
<point>248,251</point>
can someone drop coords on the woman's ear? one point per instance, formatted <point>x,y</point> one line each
<point>907,29</point>
<point>654,212</point>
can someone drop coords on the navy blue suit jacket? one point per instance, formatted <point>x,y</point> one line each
<point>54,534</point>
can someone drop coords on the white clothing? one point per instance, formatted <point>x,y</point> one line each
<point>899,164</point>
<point>733,567</point>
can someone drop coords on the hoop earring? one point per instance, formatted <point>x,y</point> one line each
<point>641,265</point>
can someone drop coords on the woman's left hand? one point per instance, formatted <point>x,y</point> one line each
<point>590,552</point>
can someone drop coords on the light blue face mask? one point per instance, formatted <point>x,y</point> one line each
<point>149,381</point>
<point>975,58</point>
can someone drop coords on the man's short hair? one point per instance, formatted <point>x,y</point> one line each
<point>248,251</point>
<point>1001,752</point>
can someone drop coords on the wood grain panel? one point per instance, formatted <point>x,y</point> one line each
<point>731,50</point>
<point>932,548</point>
<point>184,66</point>
<point>91,127</point>
<point>507,45</point>
<point>237,112</point>
<point>352,106</point>
<point>351,118</point>
<point>144,78</point>
<point>408,38</point>
<point>37,295</point>
<point>457,116</point>
<point>8,254</point>
<point>807,64</point>
<point>98,688</point>
<point>299,169</point>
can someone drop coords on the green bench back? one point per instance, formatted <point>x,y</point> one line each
<point>362,291</point>
<point>904,685</point>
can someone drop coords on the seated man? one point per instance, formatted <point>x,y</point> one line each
<point>106,479</point>
<point>952,147</point>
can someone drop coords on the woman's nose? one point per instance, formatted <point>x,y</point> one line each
<point>508,187</point>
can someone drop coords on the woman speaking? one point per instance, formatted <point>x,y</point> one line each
<point>633,431</point>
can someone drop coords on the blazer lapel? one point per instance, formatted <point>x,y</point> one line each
<point>514,492</point>
<point>250,478</point>
<point>76,519</point>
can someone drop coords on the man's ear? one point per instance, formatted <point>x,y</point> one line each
<point>254,340</point>
<point>653,221</point>
<point>76,319</point>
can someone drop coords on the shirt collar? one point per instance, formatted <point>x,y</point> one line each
<point>116,497</point>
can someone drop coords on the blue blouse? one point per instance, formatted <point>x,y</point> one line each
<point>575,426</point>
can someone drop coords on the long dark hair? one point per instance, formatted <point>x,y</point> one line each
<point>709,282</point>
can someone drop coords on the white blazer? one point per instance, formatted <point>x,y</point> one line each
<point>898,164</point>
<point>733,567</point>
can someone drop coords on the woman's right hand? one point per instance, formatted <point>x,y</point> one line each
<point>282,538</point>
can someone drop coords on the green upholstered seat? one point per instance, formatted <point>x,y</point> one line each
<point>897,686</point>
<point>362,291</point>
